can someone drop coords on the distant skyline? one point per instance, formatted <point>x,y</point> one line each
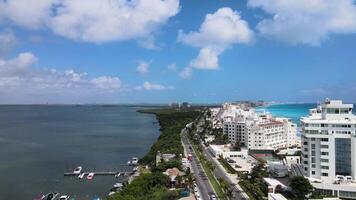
<point>161,51</point>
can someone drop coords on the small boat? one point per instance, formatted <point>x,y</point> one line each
<point>81,176</point>
<point>64,197</point>
<point>133,161</point>
<point>50,196</point>
<point>118,175</point>
<point>78,170</point>
<point>90,176</point>
<point>111,193</point>
<point>118,185</point>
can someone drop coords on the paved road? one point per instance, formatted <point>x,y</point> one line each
<point>218,172</point>
<point>200,177</point>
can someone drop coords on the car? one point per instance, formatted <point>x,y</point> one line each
<point>197,196</point>
<point>212,196</point>
<point>195,190</point>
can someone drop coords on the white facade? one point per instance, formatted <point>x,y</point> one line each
<point>329,144</point>
<point>257,131</point>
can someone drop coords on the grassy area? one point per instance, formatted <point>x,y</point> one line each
<point>171,121</point>
<point>227,166</point>
<point>214,182</point>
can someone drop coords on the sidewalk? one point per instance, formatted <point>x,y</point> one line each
<point>232,177</point>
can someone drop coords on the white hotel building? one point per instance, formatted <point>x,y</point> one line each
<point>257,131</point>
<point>329,148</point>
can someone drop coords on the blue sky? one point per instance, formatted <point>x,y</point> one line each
<point>155,51</point>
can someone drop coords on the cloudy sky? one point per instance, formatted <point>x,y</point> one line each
<point>158,51</point>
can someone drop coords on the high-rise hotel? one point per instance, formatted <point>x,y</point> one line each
<point>329,148</point>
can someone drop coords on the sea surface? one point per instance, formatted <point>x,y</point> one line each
<point>292,111</point>
<point>39,143</point>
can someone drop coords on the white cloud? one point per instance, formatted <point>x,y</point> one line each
<point>186,73</point>
<point>220,29</point>
<point>95,21</point>
<point>31,15</point>
<point>172,67</point>
<point>153,86</point>
<point>7,41</point>
<point>305,21</point>
<point>207,59</point>
<point>142,67</point>
<point>106,82</point>
<point>20,77</point>
<point>218,32</point>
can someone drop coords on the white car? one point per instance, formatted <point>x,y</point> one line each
<point>197,196</point>
<point>195,189</point>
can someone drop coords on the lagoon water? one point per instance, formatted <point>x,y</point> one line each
<point>39,143</point>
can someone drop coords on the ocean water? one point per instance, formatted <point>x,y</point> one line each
<point>292,111</point>
<point>39,143</point>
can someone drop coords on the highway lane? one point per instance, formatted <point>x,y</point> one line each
<point>200,177</point>
<point>218,172</point>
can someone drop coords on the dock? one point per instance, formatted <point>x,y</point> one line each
<point>123,172</point>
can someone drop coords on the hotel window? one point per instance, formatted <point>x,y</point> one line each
<point>324,146</point>
<point>313,153</point>
<point>313,160</point>
<point>325,139</point>
<point>324,167</point>
<point>313,146</point>
<point>313,165</point>
<point>325,174</point>
<point>313,172</point>
<point>324,160</point>
<point>325,153</point>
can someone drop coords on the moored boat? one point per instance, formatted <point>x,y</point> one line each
<point>90,176</point>
<point>78,170</point>
<point>81,176</point>
<point>64,197</point>
<point>50,196</point>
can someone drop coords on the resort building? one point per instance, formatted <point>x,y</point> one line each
<point>257,131</point>
<point>329,148</point>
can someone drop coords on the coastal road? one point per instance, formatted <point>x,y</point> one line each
<point>200,177</point>
<point>218,172</point>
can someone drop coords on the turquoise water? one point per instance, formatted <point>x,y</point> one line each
<point>292,111</point>
<point>39,143</point>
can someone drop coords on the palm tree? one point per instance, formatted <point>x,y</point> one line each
<point>189,180</point>
<point>229,193</point>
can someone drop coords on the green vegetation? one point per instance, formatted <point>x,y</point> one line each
<point>146,187</point>
<point>300,186</point>
<point>220,137</point>
<point>163,166</point>
<point>172,121</point>
<point>153,184</point>
<point>253,184</point>
<point>226,165</point>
